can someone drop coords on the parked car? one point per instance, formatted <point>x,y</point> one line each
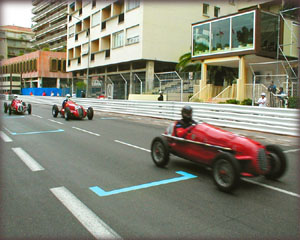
<point>229,155</point>
<point>71,110</point>
<point>17,106</point>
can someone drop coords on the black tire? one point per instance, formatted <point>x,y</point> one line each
<point>23,103</point>
<point>67,114</point>
<point>5,107</point>
<point>278,162</point>
<point>160,152</point>
<point>55,111</point>
<point>29,108</point>
<point>9,109</point>
<point>226,172</point>
<point>90,113</point>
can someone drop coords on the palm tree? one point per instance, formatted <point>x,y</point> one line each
<point>185,64</point>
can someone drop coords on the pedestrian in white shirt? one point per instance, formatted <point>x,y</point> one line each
<point>262,101</point>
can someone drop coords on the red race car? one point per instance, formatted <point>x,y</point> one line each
<point>17,106</point>
<point>71,110</point>
<point>230,156</point>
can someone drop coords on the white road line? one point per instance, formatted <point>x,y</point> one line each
<point>55,121</point>
<point>292,150</point>
<point>5,137</point>
<point>82,130</point>
<point>36,116</point>
<point>273,188</point>
<point>28,160</point>
<point>98,228</point>
<point>130,145</point>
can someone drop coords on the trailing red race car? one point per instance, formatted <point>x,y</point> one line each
<point>229,155</point>
<point>71,110</point>
<point>17,106</point>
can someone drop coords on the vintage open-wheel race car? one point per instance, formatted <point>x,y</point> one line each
<point>229,155</point>
<point>71,110</point>
<point>17,106</point>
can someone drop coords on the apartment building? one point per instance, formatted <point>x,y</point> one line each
<point>259,42</point>
<point>124,43</point>
<point>14,41</point>
<point>39,69</point>
<point>50,24</point>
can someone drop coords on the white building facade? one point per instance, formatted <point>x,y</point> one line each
<point>124,43</point>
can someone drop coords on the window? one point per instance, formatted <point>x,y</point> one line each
<point>131,4</point>
<point>59,65</point>
<point>217,12</point>
<point>269,32</point>
<point>242,30</point>
<point>53,65</point>
<point>96,19</point>
<point>71,30</point>
<point>93,3</point>
<point>64,65</point>
<point>95,46</point>
<point>132,35</point>
<point>34,65</point>
<point>205,9</point>
<point>220,34</point>
<point>118,39</point>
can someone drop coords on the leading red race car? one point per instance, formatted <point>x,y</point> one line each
<point>72,110</point>
<point>17,106</point>
<point>229,155</point>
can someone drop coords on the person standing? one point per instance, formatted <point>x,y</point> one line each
<point>272,91</point>
<point>161,96</point>
<point>262,101</point>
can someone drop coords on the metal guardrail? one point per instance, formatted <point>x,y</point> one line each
<point>272,120</point>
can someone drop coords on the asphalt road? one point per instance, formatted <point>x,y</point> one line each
<point>50,196</point>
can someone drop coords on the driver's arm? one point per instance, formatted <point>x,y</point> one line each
<point>181,131</point>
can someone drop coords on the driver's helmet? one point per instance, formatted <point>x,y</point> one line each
<point>15,96</point>
<point>186,113</point>
<point>68,96</point>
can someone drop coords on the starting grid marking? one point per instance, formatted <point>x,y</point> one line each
<point>83,130</point>
<point>28,160</point>
<point>5,137</point>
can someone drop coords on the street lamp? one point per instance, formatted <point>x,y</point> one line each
<point>88,64</point>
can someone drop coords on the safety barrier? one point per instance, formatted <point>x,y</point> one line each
<point>272,120</point>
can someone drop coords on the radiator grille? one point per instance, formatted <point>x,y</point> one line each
<point>262,159</point>
<point>80,112</point>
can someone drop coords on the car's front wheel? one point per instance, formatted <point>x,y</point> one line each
<point>54,111</point>
<point>160,152</point>
<point>90,113</point>
<point>9,109</point>
<point>29,109</point>
<point>67,113</point>
<point>278,162</point>
<point>226,172</point>
<point>5,107</point>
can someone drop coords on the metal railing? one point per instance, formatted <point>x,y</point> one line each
<point>272,120</point>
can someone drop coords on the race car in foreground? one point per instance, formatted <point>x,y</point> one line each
<point>71,110</point>
<point>17,106</point>
<point>229,155</point>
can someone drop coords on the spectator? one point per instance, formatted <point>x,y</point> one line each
<point>161,96</point>
<point>52,94</point>
<point>281,96</point>
<point>262,101</point>
<point>272,91</point>
<point>82,94</point>
<point>44,93</point>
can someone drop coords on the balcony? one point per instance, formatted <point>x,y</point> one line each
<point>51,8</point>
<point>55,26</point>
<point>229,35</point>
<point>40,6</point>
<point>50,19</point>
<point>51,38</point>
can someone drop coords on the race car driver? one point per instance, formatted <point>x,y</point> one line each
<point>67,99</point>
<point>186,124</point>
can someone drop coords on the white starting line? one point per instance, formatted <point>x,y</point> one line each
<point>51,120</point>
<point>4,137</point>
<point>82,130</point>
<point>98,228</point>
<point>28,160</point>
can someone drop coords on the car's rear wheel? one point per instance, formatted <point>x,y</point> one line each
<point>278,162</point>
<point>90,113</point>
<point>54,111</point>
<point>29,109</point>
<point>5,107</point>
<point>67,113</point>
<point>226,172</point>
<point>160,152</point>
<point>9,109</point>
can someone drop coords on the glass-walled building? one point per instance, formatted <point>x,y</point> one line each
<point>254,31</point>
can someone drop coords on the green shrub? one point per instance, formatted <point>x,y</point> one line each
<point>293,102</point>
<point>232,101</point>
<point>247,101</point>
